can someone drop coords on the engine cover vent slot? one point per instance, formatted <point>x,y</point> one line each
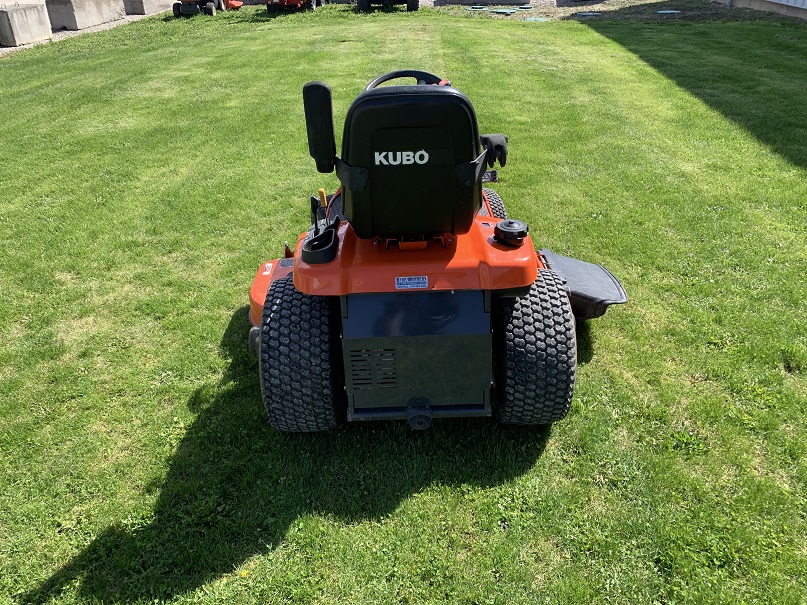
<point>372,369</point>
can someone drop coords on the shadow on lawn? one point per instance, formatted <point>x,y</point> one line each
<point>234,486</point>
<point>752,74</point>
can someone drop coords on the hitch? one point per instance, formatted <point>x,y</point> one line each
<point>419,413</point>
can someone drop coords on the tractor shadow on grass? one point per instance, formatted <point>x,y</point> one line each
<point>585,349</point>
<point>234,486</point>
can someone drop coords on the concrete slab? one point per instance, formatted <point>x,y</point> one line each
<point>791,8</point>
<point>146,7</point>
<point>23,24</point>
<point>484,2</point>
<point>81,14</point>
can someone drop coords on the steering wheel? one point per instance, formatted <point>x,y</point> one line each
<point>423,77</point>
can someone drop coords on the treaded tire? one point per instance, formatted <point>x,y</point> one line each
<point>299,360</point>
<point>363,6</point>
<point>412,5</point>
<point>535,351</point>
<point>496,204</point>
<point>210,9</point>
<point>177,8</point>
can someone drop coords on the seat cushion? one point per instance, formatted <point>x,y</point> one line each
<point>411,140</point>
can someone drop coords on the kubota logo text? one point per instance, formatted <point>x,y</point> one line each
<point>396,158</point>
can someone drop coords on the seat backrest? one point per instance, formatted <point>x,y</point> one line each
<point>419,146</point>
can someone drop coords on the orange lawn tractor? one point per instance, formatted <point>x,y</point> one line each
<point>413,295</point>
<point>275,6</point>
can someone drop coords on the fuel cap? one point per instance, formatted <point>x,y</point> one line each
<point>511,232</point>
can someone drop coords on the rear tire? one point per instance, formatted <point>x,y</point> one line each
<point>496,204</point>
<point>222,5</point>
<point>363,6</point>
<point>412,5</point>
<point>299,360</point>
<point>177,7</point>
<point>535,351</point>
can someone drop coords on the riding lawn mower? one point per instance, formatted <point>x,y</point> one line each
<point>413,295</point>
<point>275,6</point>
<point>364,5</point>
<point>188,8</point>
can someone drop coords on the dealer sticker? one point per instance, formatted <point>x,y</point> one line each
<point>415,282</point>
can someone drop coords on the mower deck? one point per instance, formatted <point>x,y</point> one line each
<point>592,288</point>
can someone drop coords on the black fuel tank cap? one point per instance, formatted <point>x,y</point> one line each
<point>511,232</point>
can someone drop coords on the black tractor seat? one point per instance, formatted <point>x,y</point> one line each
<point>412,159</point>
<point>419,146</point>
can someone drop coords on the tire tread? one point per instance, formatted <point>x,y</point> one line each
<point>496,204</point>
<point>299,360</point>
<point>536,353</point>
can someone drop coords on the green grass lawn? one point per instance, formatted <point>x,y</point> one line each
<point>145,173</point>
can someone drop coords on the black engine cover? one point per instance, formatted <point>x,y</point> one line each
<point>431,349</point>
